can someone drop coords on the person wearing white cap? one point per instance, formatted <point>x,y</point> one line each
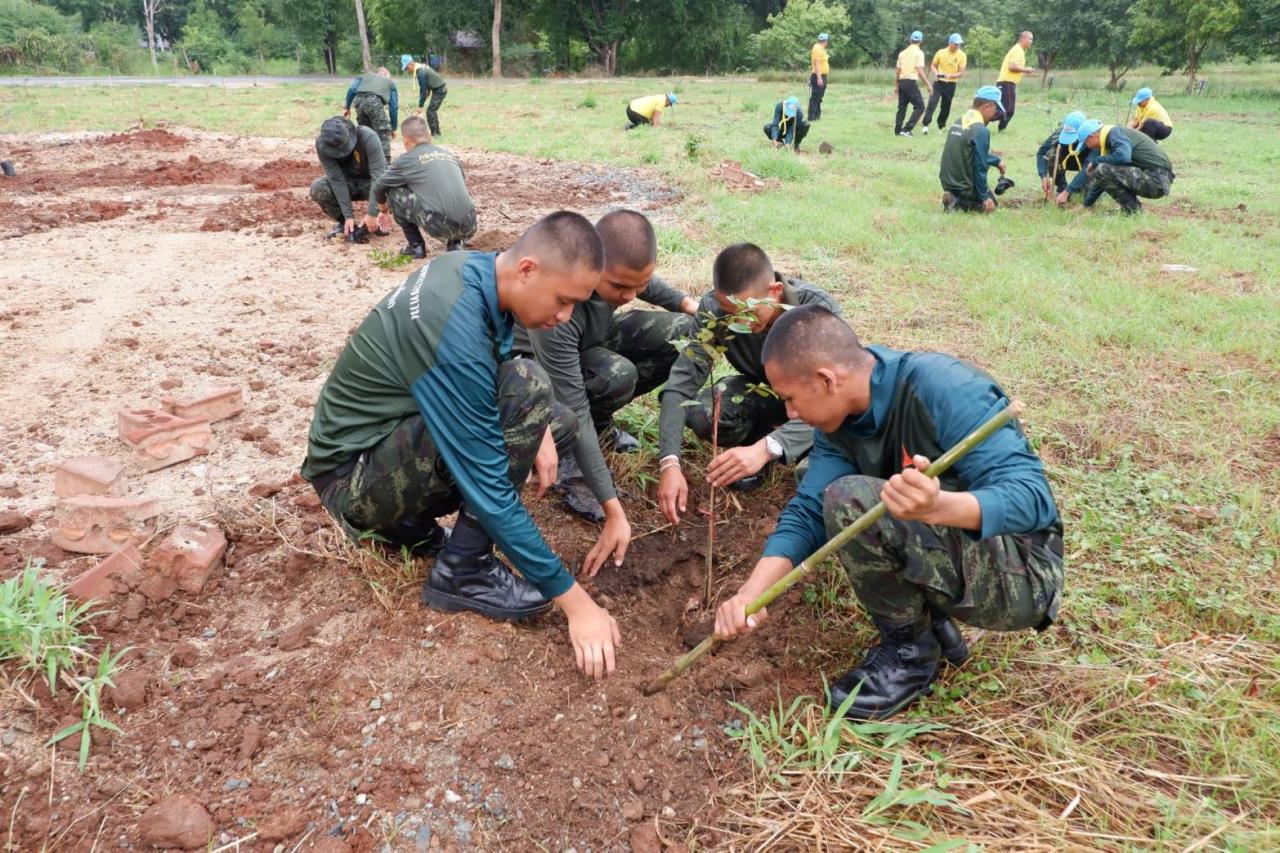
<point>949,64</point>
<point>1152,118</point>
<point>909,68</point>
<point>819,68</point>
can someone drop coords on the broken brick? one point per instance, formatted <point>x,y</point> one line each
<point>12,522</point>
<point>114,575</point>
<point>190,553</point>
<point>87,475</point>
<point>101,524</point>
<point>160,439</point>
<point>264,490</point>
<point>214,405</point>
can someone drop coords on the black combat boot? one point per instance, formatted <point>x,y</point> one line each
<point>336,232</point>
<point>7,168</point>
<point>423,537</point>
<point>482,584</point>
<point>416,246</point>
<point>453,246</point>
<point>751,482</point>
<point>895,673</point>
<point>618,440</point>
<point>951,642</point>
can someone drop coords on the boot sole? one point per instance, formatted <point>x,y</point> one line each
<point>449,603</point>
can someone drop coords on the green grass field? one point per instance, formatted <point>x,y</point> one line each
<point>1153,719</point>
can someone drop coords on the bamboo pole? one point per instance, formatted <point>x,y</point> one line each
<point>717,396</point>
<point>870,517</point>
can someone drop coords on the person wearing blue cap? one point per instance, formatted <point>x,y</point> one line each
<point>1058,155</point>
<point>1011,71</point>
<point>788,126</point>
<point>429,80</point>
<point>819,68</point>
<point>966,156</point>
<point>648,109</point>
<point>1124,163</point>
<point>1152,118</point>
<point>377,106</point>
<point>949,64</point>
<point>909,69</point>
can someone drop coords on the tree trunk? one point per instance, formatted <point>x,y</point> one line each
<point>1048,56</point>
<point>608,55</point>
<point>149,8</point>
<point>364,37</point>
<point>331,52</point>
<point>496,38</point>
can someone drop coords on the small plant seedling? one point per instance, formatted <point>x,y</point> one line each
<point>90,690</point>
<point>40,626</point>
<point>589,102</point>
<point>389,259</point>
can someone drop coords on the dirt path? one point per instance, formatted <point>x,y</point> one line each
<point>305,695</point>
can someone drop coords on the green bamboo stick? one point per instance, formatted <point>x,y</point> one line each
<point>868,518</point>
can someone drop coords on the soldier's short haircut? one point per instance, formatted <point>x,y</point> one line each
<point>564,238</point>
<point>629,240</point>
<point>414,128</point>
<point>806,337</point>
<point>739,267</point>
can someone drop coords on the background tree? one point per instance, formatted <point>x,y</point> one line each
<point>1085,32</point>
<point>1176,33</point>
<point>149,10</point>
<point>366,60</point>
<point>496,38</point>
<point>790,35</point>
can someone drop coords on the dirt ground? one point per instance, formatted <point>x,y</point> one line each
<point>305,697</point>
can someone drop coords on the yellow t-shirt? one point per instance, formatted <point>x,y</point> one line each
<point>1153,109</point>
<point>649,105</point>
<point>950,63</point>
<point>820,56</point>
<point>911,58</point>
<point>1015,56</point>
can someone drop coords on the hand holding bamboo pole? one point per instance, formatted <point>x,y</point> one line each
<point>870,517</point>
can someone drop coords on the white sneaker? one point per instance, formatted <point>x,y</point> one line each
<point>905,133</point>
<point>926,130</point>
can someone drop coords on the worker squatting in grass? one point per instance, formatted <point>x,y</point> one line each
<point>437,406</point>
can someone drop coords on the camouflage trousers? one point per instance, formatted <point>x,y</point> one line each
<point>1004,583</point>
<point>403,478</point>
<point>745,415</point>
<point>433,109</point>
<point>636,358</point>
<point>371,111</point>
<point>322,194</point>
<point>1127,183</point>
<point>408,209</point>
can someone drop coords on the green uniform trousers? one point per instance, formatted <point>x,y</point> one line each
<point>322,194</point>
<point>746,416</point>
<point>403,479</point>
<point>371,111</point>
<point>408,209</point>
<point>636,358</point>
<point>1004,583</point>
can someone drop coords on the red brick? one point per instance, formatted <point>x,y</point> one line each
<point>160,439</point>
<point>13,522</point>
<point>114,575</point>
<point>101,524</point>
<point>87,475</point>
<point>214,405</point>
<point>189,555</point>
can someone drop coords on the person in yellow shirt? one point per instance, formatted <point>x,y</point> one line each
<point>648,109</point>
<point>1152,118</point>
<point>909,69</point>
<point>1011,71</point>
<point>819,68</point>
<point>949,64</point>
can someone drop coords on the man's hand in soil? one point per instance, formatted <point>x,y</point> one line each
<point>1063,198</point>
<point>593,632</point>
<point>613,541</point>
<point>371,222</point>
<point>348,225</point>
<point>913,496</point>
<point>732,465</point>
<point>384,220</point>
<point>673,493</point>
<point>546,464</point>
<point>988,205</point>
<point>731,616</point>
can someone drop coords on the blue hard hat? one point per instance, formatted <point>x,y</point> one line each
<point>1087,128</point>
<point>1071,128</point>
<point>955,38</point>
<point>1142,94</point>
<point>671,96</point>
<point>791,106</point>
<point>917,36</point>
<point>405,59</point>
<point>823,37</point>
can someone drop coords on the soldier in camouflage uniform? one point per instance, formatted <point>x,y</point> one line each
<point>427,411</point>
<point>377,105</point>
<point>425,189</point>
<point>352,160</point>
<point>983,544</point>
<point>601,360</point>
<point>1124,163</point>
<point>429,80</point>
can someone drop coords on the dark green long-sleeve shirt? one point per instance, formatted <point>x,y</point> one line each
<point>694,366</point>
<point>559,351</point>
<point>428,80</point>
<point>365,162</point>
<point>966,157</point>
<point>376,84</point>
<point>434,175</point>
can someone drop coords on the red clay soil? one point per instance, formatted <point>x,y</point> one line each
<point>18,219</point>
<point>263,211</point>
<point>148,139</point>
<point>282,175</point>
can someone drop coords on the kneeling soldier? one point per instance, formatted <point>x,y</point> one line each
<point>983,545</point>
<point>966,156</point>
<point>753,421</point>
<point>426,189</point>
<point>426,413</point>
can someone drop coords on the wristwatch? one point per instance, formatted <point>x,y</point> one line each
<point>774,447</point>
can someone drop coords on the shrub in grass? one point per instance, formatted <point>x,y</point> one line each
<point>39,626</point>
<point>589,102</point>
